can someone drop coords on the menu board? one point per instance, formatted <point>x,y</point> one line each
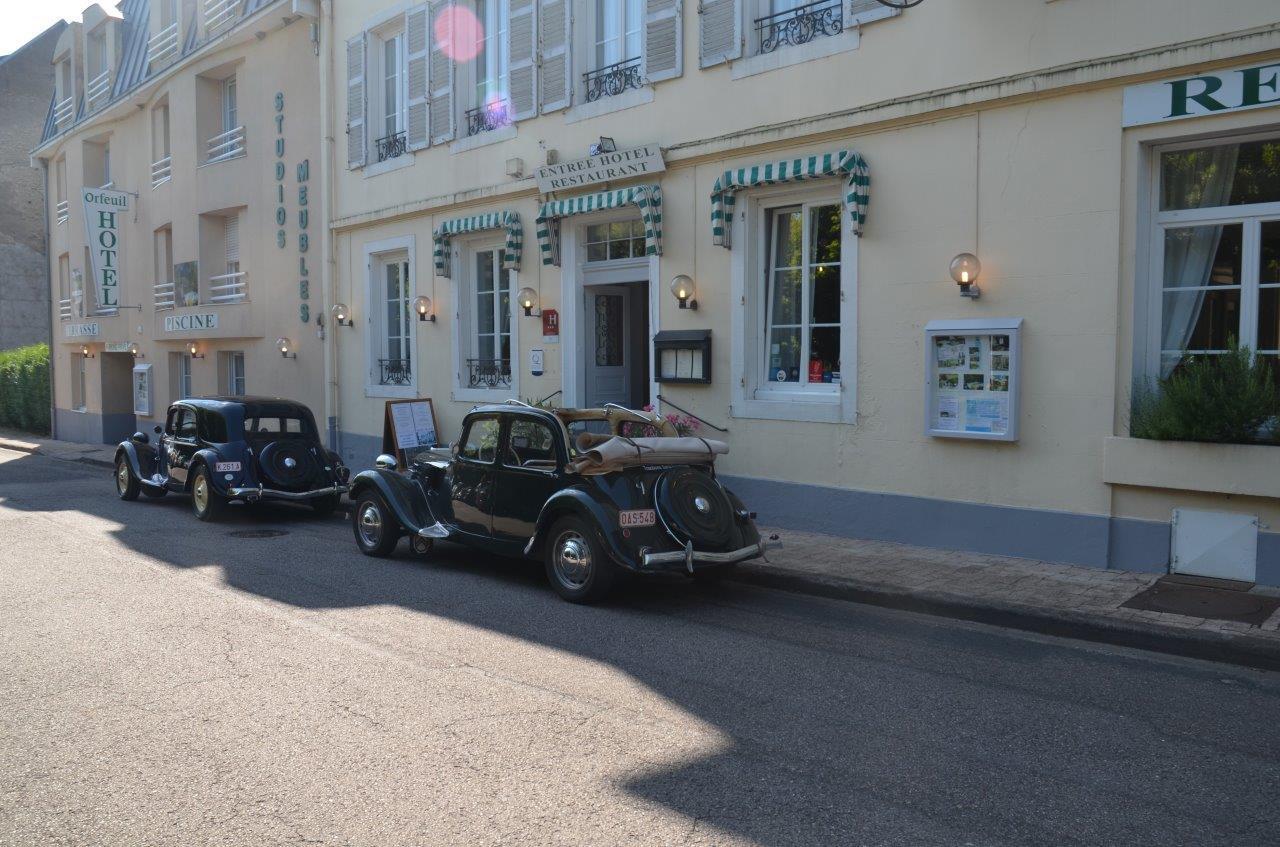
<point>409,428</point>
<point>972,378</point>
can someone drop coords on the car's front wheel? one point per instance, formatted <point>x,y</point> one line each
<point>127,484</point>
<point>206,503</point>
<point>375,527</point>
<point>577,566</point>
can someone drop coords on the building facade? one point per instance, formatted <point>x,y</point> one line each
<point>180,148</point>
<point>807,176</point>
<point>25,79</point>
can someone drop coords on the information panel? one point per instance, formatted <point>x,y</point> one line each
<point>973,378</point>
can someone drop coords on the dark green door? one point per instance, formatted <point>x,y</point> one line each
<point>528,472</point>
<point>471,483</point>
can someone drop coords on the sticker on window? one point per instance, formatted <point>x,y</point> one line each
<point>637,517</point>
<point>221,467</point>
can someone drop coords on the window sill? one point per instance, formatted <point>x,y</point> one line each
<point>609,105</point>
<point>799,406</point>
<point>391,391</point>
<point>794,55</point>
<point>484,139</point>
<point>404,160</point>
<point>1251,470</point>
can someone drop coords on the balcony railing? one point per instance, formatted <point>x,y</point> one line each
<point>800,25</point>
<point>227,288</point>
<point>97,90</point>
<point>164,295</point>
<point>219,13</point>
<point>612,80</point>
<point>164,44</point>
<point>488,118</point>
<point>488,373</point>
<point>64,111</point>
<point>227,145</point>
<point>161,171</point>
<point>64,309</point>
<point>62,211</point>
<point>391,146</point>
<point>395,372</point>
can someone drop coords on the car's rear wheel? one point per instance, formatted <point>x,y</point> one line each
<point>127,484</point>
<point>206,503</point>
<point>325,506</point>
<point>577,566</point>
<point>375,527</point>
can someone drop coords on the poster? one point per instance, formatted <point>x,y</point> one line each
<point>142,390</point>
<point>948,417</point>
<point>986,414</point>
<point>949,351</point>
<point>409,427</point>
<point>971,379</point>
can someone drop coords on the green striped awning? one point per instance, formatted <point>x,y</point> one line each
<point>844,163</point>
<point>647,197</point>
<point>510,221</point>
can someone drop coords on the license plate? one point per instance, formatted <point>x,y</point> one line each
<point>221,467</point>
<point>637,517</point>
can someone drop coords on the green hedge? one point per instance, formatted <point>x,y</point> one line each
<point>24,388</point>
<point>1229,398</point>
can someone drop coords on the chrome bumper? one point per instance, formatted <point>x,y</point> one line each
<point>260,493</point>
<point>688,556</point>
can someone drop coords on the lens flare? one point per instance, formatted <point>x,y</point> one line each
<point>459,33</point>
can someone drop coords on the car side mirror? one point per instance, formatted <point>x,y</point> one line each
<point>385,462</point>
<point>158,429</point>
<point>139,438</point>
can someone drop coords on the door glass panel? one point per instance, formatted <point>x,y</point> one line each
<point>1196,256</point>
<point>529,445</point>
<point>481,443</point>
<point>824,234</point>
<point>1200,320</point>
<point>784,355</point>
<point>788,243</point>
<point>1220,175</point>
<point>825,300</point>
<point>784,305</point>
<point>609,329</point>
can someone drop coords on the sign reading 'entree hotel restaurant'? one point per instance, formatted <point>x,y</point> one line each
<point>607,167</point>
<point>1211,93</point>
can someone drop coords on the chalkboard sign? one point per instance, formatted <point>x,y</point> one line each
<point>409,428</point>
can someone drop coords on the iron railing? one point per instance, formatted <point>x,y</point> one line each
<point>395,372</point>
<point>800,25</point>
<point>488,373</point>
<point>163,44</point>
<point>227,288</point>
<point>488,118</point>
<point>612,80</point>
<point>62,211</point>
<point>97,89</point>
<point>391,146</point>
<point>161,171</point>
<point>164,295</point>
<point>64,309</point>
<point>227,145</point>
<point>64,111</point>
<point>218,13</point>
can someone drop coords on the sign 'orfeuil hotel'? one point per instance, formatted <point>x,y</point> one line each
<point>915,297</point>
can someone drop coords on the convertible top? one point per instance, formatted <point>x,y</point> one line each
<point>605,455</point>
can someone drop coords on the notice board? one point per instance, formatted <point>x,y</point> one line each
<point>973,378</point>
<point>409,428</point>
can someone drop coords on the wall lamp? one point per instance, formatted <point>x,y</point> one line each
<point>284,346</point>
<point>964,270</point>
<point>342,315</point>
<point>193,350</point>
<point>422,305</point>
<point>84,352</point>
<point>528,300</point>
<point>682,288</point>
<point>136,351</point>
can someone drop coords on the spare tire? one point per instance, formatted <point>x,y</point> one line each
<point>695,508</point>
<point>288,465</point>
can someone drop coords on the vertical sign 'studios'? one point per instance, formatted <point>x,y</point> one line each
<point>282,214</point>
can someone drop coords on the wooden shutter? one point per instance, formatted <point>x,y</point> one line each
<point>719,31</point>
<point>555,26</point>
<point>231,238</point>
<point>416,42</point>
<point>522,53</point>
<point>663,40</point>
<point>355,102</point>
<point>865,11</point>
<point>441,74</point>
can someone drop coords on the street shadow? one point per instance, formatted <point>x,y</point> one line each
<point>843,724</point>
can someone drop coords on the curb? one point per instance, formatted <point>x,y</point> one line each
<point>37,449</point>
<point>1244,650</point>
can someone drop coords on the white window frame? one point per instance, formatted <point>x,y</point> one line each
<point>235,372</point>
<point>752,395</point>
<point>594,26</point>
<point>184,380</point>
<point>230,104</point>
<point>463,292</point>
<point>79,383</point>
<point>471,70</point>
<point>390,32</point>
<point>376,255</point>
<point>1149,296</point>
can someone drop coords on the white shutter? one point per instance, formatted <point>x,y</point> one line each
<point>522,54</point>
<point>355,102</point>
<point>719,31</point>
<point>441,74</point>
<point>866,11</point>
<point>231,239</point>
<point>555,26</point>
<point>416,41</point>
<point>663,40</point>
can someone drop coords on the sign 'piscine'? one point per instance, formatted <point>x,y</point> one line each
<point>185,323</point>
<point>102,218</point>
<point>607,167</point>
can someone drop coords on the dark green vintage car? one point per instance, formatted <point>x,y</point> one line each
<point>591,492</point>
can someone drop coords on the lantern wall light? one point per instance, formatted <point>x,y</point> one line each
<point>194,351</point>
<point>682,288</point>
<point>341,315</point>
<point>136,351</point>
<point>84,352</point>
<point>284,346</point>
<point>528,300</point>
<point>422,306</point>
<point>964,270</point>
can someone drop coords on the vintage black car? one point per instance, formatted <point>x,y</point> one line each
<point>590,492</point>
<point>219,449</point>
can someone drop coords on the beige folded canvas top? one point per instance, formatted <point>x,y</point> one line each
<point>615,452</point>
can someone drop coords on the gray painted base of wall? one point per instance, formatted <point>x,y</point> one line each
<point>85,427</point>
<point>1065,537</point>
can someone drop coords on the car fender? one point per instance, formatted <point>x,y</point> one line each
<point>402,496</point>
<point>209,458</point>
<point>577,502</point>
<point>138,455</point>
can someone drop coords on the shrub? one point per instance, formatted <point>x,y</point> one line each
<point>24,388</point>
<point>1229,399</point>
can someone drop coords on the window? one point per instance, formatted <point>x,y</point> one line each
<point>161,163</point>
<point>230,117</point>
<point>62,209</point>
<point>65,305</point>
<point>97,163</point>
<point>490,69</point>
<point>166,296</point>
<point>619,29</point>
<point>225,132</point>
<point>394,338</point>
<point>1216,251</point>
<point>530,444</point>
<point>488,321</point>
<point>481,441</point>
<point>392,84</point>
<point>78,382</point>
<point>617,240</point>
<point>802,295</point>
<point>276,425</point>
<point>180,375</point>
<point>233,364</point>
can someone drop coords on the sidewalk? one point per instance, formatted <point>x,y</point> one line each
<point>71,451</point>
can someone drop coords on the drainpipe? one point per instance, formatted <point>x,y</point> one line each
<point>48,287</point>
<point>328,281</point>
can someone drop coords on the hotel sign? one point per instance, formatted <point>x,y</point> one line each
<point>80,330</point>
<point>102,211</point>
<point>188,323</point>
<point>607,167</point>
<point>1213,93</point>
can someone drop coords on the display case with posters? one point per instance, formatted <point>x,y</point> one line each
<point>973,378</point>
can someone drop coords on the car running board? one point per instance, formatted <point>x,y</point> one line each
<point>436,530</point>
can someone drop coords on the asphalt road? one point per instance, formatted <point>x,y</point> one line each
<point>164,682</point>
